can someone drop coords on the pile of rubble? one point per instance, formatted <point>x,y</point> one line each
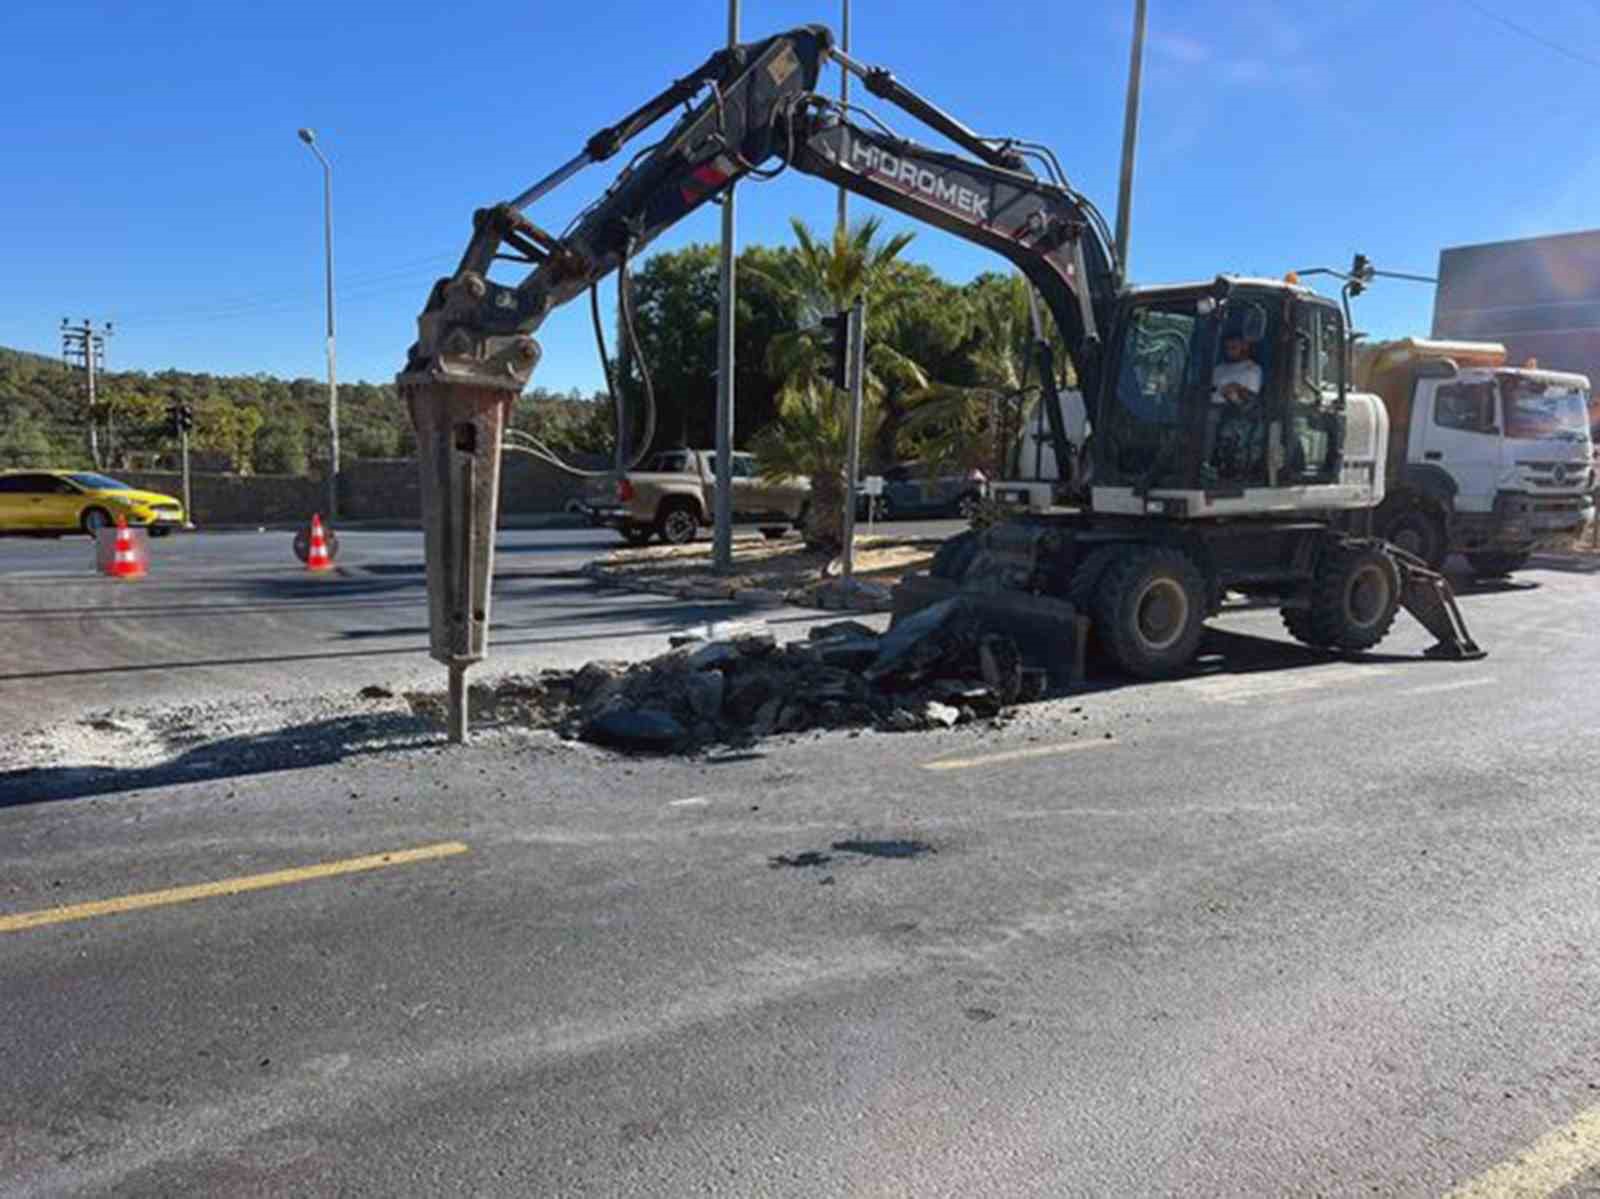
<point>940,667</point>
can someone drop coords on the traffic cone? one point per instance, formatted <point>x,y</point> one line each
<point>317,558</point>
<point>125,561</point>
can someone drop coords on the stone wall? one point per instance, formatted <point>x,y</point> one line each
<point>237,499</point>
<point>369,489</point>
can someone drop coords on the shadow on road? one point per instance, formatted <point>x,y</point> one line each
<point>320,743</point>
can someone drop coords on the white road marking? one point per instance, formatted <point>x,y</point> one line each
<point>1546,1166</point>
<point>694,801</point>
<point>1458,685</point>
<point>1244,688</point>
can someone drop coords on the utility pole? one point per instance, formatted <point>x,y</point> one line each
<point>84,346</point>
<point>1130,138</point>
<point>844,98</point>
<point>722,534</point>
<point>310,138</point>
<point>855,374</point>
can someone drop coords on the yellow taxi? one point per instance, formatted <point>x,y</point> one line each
<point>65,501</point>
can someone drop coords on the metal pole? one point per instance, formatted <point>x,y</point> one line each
<point>1130,137</point>
<point>88,362</point>
<point>858,320</point>
<point>844,98</point>
<point>333,382</point>
<point>310,140</point>
<point>722,538</point>
<point>188,505</point>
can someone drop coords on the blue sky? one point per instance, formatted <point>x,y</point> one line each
<point>153,176</point>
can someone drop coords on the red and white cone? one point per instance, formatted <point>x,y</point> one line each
<point>125,560</point>
<point>318,557</point>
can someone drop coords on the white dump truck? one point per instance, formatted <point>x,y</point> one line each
<point>1484,459</point>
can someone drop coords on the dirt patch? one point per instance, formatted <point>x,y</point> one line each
<point>784,567</point>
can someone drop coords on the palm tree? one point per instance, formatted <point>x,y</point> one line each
<point>976,426</point>
<point>810,435</point>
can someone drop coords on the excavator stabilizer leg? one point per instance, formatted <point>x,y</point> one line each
<point>1428,596</point>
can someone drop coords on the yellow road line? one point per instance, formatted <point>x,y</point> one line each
<point>1013,755</point>
<point>229,886</point>
<point>1546,1166</point>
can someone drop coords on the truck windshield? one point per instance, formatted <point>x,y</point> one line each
<point>1534,409</point>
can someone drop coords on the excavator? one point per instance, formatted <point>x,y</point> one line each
<point>1186,490</point>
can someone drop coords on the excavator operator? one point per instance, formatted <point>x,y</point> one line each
<point>1235,388</point>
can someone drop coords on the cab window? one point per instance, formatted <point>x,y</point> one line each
<point>1468,407</point>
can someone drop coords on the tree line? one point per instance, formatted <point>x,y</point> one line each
<point>948,377</point>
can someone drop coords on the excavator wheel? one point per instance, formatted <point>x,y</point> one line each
<point>1354,598</point>
<point>1081,590</point>
<point>1150,609</point>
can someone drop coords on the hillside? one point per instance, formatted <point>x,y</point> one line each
<point>251,423</point>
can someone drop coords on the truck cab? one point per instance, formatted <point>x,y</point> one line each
<point>1486,460</point>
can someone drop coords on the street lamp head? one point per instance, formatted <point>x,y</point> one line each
<point>308,136</point>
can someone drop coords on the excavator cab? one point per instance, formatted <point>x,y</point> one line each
<point>1224,398</point>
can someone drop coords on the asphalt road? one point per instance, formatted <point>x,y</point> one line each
<point>1288,926</point>
<point>235,615</point>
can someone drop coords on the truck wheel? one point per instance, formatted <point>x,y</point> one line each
<point>1494,565</point>
<point>1419,532</point>
<point>1353,600</point>
<point>773,532</point>
<point>678,523</point>
<point>1149,609</point>
<point>637,534</point>
<point>967,506</point>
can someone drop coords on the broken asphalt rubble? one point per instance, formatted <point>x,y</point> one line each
<point>940,666</point>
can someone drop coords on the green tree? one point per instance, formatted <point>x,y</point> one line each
<point>810,434</point>
<point>976,423</point>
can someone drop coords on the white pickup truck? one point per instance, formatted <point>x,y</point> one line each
<point>673,498</point>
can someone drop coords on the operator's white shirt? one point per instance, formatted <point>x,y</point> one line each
<point>1245,373</point>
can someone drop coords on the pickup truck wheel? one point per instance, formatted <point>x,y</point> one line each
<point>967,506</point>
<point>1491,566</point>
<point>1149,608</point>
<point>1417,531</point>
<point>678,524</point>
<point>637,534</point>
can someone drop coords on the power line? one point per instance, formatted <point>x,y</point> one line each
<point>359,285</point>
<point>1533,35</point>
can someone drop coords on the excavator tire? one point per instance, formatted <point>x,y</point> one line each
<point>1081,590</point>
<point>1301,628</point>
<point>1149,610</point>
<point>1354,598</point>
<point>1491,566</point>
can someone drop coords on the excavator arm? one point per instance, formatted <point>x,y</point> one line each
<point>750,110</point>
<point>760,112</point>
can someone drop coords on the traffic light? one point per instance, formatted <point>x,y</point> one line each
<point>1361,273</point>
<point>186,417</point>
<point>840,329</point>
<point>173,425</point>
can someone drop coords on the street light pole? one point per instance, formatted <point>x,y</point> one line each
<point>1130,137</point>
<point>310,139</point>
<point>844,98</point>
<point>722,531</point>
